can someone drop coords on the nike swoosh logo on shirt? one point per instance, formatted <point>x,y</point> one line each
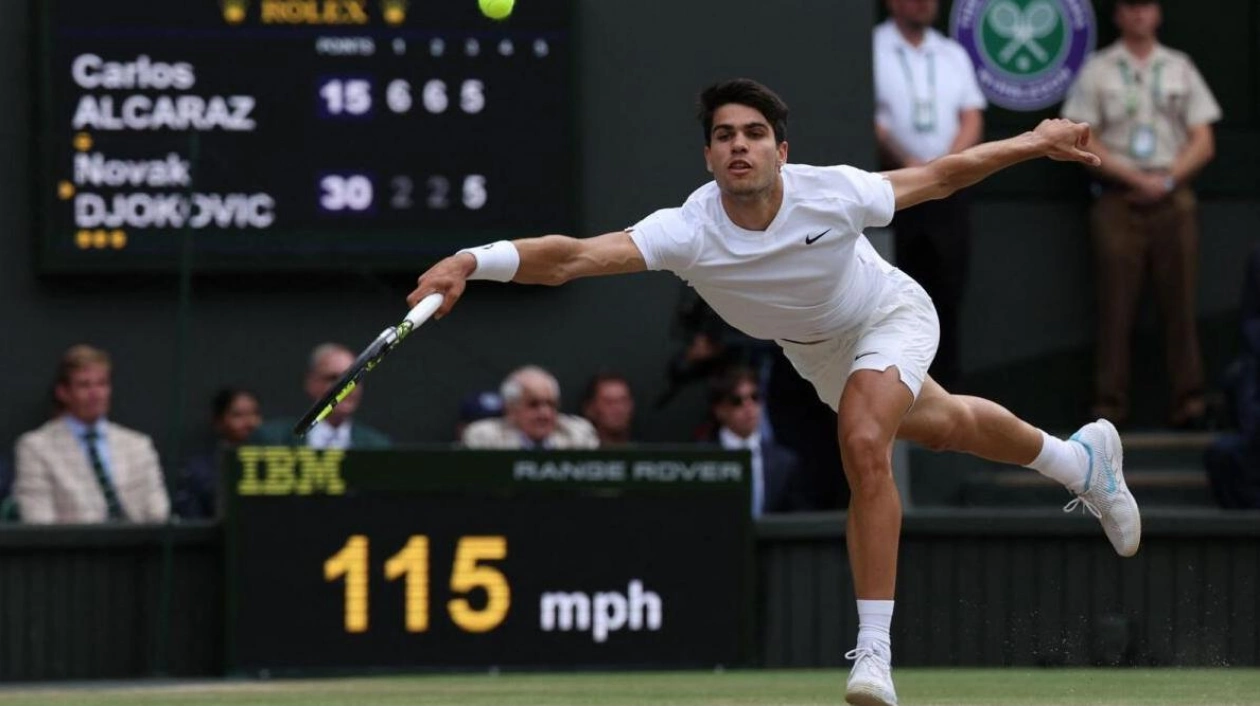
<point>864,355</point>
<point>811,239</point>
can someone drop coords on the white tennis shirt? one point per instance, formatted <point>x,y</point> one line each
<point>811,275</point>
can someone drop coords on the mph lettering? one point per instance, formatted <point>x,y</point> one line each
<point>287,471</point>
<point>174,210</point>
<point>603,613</point>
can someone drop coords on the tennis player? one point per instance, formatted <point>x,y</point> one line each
<point>777,250</point>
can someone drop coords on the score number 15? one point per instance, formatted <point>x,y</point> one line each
<point>412,564</point>
<point>352,97</point>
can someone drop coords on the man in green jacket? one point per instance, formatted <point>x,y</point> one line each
<point>339,430</point>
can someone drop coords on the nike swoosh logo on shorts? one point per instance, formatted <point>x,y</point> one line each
<point>811,239</point>
<point>864,355</point>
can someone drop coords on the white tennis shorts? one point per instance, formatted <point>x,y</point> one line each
<point>903,332</point>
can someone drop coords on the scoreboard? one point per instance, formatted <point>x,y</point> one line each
<point>298,134</point>
<point>473,559</point>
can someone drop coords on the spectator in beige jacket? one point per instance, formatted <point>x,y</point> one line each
<point>531,417</point>
<point>81,468</point>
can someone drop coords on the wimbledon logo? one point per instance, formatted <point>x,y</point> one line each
<point>1026,52</point>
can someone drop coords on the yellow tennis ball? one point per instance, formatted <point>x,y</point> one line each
<point>496,9</point>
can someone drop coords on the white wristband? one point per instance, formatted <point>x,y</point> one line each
<point>497,261</point>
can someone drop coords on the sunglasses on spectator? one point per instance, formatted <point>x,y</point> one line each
<point>737,399</point>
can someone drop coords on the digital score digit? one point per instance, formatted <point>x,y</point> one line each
<point>351,565</point>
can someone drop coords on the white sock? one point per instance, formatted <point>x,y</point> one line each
<point>875,623</point>
<point>1064,461</point>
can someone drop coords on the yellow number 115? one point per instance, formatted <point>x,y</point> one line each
<point>412,564</point>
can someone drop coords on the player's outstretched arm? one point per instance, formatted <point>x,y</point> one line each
<point>554,260</point>
<point>549,260</point>
<point>1057,139</point>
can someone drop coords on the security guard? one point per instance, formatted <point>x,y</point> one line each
<point>1152,114</point>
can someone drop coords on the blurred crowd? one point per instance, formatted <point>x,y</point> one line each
<point>81,467</point>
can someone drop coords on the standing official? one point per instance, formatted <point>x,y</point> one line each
<point>1152,114</point>
<point>928,104</point>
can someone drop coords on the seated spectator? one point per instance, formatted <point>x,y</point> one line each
<point>735,400</point>
<point>475,407</point>
<point>1233,468</point>
<point>531,417</point>
<point>339,430</point>
<point>1233,459</point>
<point>81,468</point>
<point>609,405</point>
<point>234,415</point>
<point>710,346</point>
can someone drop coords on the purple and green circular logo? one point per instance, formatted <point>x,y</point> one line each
<point>1026,52</point>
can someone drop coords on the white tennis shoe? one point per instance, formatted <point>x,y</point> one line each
<point>870,681</point>
<point>1106,495</point>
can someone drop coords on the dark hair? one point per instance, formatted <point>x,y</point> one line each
<point>728,381</point>
<point>745,92</point>
<point>223,400</point>
<point>592,386</point>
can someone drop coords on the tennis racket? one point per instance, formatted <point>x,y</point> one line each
<point>371,356</point>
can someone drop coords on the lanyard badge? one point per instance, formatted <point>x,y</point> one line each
<point>1142,141</point>
<point>923,114</point>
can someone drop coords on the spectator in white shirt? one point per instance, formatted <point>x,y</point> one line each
<point>928,104</point>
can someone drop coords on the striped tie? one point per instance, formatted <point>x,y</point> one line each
<point>107,486</point>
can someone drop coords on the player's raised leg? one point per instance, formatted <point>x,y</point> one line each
<point>871,410</point>
<point>1090,464</point>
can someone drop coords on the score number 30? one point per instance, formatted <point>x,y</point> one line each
<point>355,192</point>
<point>412,565</point>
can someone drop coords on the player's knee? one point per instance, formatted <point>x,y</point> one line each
<point>865,454</point>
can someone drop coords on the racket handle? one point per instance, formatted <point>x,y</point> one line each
<point>420,313</point>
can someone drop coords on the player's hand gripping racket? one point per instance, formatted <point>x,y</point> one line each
<point>372,355</point>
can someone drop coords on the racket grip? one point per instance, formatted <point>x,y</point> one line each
<point>420,313</point>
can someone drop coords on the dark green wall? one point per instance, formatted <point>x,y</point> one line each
<point>86,602</point>
<point>639,150</point>
<point>1021,588</point>
<point>1015,589</point>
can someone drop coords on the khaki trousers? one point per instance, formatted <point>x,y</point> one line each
<point>1131,240</point>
